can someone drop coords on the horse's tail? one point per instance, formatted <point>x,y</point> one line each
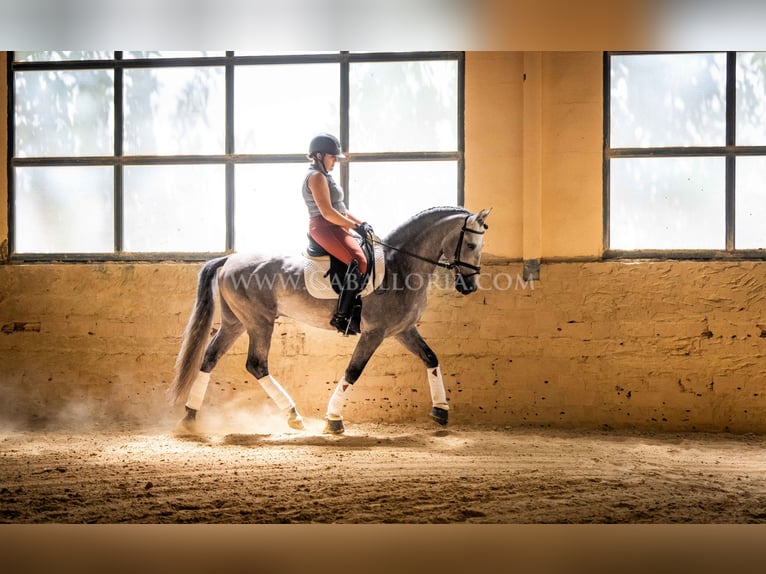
<point>196,334</point>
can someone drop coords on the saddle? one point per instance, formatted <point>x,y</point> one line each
<point>324,273</point>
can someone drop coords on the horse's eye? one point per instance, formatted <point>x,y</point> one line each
<point>471,245</point>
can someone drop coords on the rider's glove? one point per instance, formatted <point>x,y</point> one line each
<point>365,230</point>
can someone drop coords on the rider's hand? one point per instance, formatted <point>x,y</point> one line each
<point>365,229</point>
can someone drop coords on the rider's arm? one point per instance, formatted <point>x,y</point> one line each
<point>353,218</point>
<point>321,193</point>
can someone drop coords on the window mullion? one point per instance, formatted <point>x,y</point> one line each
<point>731,160</point>
<point>461,129</point>
<point>605,158</point>
<point>119,211</point>
<point>344,120</point>
<point>11,147</point>
<point>229,145</point>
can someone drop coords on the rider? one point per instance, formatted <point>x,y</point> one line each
<point>329,225</point>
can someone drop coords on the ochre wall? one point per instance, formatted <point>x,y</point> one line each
<point>662,345</point>
<point>494,146</point>
<point>659,345</point>
<point>534,141</point>
<point>572,134</point>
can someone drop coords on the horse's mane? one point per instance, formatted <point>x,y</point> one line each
<point>405,232</point>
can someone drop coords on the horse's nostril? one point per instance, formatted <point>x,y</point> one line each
<point>464,287</point>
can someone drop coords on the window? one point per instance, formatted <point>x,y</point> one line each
<point>133,155</point>
<point>685,153</point>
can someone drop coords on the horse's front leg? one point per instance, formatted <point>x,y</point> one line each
<point>413,342</point>
<point>369,341</point>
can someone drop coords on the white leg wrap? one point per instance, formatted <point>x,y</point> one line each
<point>438,394</point>
<point>338,399</point>
<point>276,392</point>
<point>198,390</point>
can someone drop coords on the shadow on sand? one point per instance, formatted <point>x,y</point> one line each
<point>348,440</point>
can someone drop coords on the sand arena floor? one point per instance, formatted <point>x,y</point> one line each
<point>379,473</point>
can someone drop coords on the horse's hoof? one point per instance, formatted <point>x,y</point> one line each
<point>294,420</point>
<point>441,416</point>
<point>186,426</point>
<point>333,426</point>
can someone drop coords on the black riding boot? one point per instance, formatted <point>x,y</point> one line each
<point>346,318</point>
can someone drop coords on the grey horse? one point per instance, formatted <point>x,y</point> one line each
<point>255,290</point>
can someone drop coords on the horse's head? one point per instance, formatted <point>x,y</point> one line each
<point>463,250</point>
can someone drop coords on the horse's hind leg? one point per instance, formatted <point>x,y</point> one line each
<point>230,330</point>
<point>413,342</point>
<point>258,366</point>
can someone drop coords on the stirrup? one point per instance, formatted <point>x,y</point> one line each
<point>343,324</point>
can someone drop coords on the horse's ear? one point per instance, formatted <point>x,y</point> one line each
<point>482,216</point>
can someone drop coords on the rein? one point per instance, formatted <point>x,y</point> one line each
<point>455,264</point>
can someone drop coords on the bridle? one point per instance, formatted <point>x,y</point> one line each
<point>456,264</point>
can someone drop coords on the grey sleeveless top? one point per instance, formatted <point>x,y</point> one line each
<point>336,193</point>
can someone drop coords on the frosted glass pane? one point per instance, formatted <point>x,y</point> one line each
<point>668,100</point>
<point>172,54</point>
<point>64,209</point>
<point>64,113</point>
<point>278,52</point>
<point>175,208</point>
<point>172,111</point>
<point>387,194</point>
<point>62,55</point>
<point>403,106</point>
<point>270,213</point>
<point>751,203</point>
<point>751,98</point>
<point>667,203</point>
<point>278,109</point>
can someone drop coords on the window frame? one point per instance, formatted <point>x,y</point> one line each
<point>118,161</point>
<point>729,152</point>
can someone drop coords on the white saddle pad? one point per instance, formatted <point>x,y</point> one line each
<point>318,280</point>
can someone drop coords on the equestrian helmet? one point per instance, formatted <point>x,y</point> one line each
<point>326,143</point>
